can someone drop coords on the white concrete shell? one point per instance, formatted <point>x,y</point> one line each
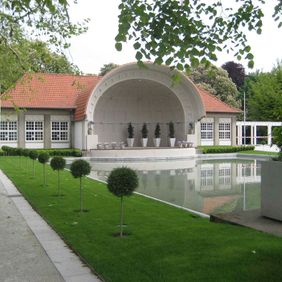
<point>137,95</point>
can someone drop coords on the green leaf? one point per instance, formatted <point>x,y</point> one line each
<point>251,64</point>
<point>138,56</point>
<point>118,46</point>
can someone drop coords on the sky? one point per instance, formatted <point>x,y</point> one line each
<point>96,47</point>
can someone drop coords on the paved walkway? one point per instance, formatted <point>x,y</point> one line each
<point>30,250</point>
<point>252,219</point>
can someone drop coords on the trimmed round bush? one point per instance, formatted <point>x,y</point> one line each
<point>58,163</point>
<point>19,151</point>
<point>43,158</point>
<point>33,155</point>
<point>80,168</point>
<point>122,181</point>
<point>25,152</point>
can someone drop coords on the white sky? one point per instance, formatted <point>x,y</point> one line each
<point>95,48</point>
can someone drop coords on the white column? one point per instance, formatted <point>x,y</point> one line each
<point>239,132</point>
<point>269,135</point>
<point>255,134</point>
<point>252,135</point>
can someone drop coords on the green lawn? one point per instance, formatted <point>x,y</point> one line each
<point>165,243</point>
<point>259,153</point>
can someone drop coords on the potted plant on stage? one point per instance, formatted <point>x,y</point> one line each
<point>144,132</point>
<point>130,139</point>
<point>171,134</point>
<point>157,139</point>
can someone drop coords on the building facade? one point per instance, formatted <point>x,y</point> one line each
<point>63,111</point>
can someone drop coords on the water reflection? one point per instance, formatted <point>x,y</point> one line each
<point>212,186</point>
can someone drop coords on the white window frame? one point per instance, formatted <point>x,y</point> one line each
<point>60,131</point>
<point>207,129</point>
<point>224,131</point>
<point>35,132</point>
<point>11,129</point>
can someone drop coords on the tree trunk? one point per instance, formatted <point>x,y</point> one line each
<point>33,168</point>
<point>44,176</point>
<point>58,183</point>
<point>121,215</point>
<point>80,194</point>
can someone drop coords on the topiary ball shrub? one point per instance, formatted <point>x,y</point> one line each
<point>80,168</point>
<point>25,152</point>
<point>33,155</point>
<point>122,182</point>
<point>43,158</point>
<point>58,163</point>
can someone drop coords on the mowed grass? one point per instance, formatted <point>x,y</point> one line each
<point>165,243</point>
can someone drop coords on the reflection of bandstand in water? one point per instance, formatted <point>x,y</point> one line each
<point>201,186</point>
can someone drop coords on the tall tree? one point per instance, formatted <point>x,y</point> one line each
<point>34,56</point>
<point>189,32</point>
<point>107,68</point>
<point>39,19</point>
<point>265,91</point>
<point>216,81</point>
<point>236,72</point>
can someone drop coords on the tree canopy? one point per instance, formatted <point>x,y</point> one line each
<point>22,23</point>
<point>236,72</point>
<point>107,68</point>
<point>265,95</point>
<point>216,81</point>
<point>184,33</point>
<point>30,56</point>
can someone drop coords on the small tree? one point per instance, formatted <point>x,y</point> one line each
<point>80,168</point>
<point>157,131</point>
<point>58,163</point>
<point>122,182</point>
<point>20,153</point>
<point>43,158</point>
<point>25,153</point>
<point>171,130</point>
<point>33,155</point>
<point>144,131</point>
<point>130,130</point>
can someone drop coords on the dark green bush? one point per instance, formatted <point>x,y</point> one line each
<point>171,131</point>
<point>130,130</point>
<point>224,149</point>
<point>122,182</point>
<point>33,155</point>
<point>52,152</point>
<point>43,158</point>
<point>58,163</point>
<point>157,131</point>
<point>79,169</point>
<point>144,131</point>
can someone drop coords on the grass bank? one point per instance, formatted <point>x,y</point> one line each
<point>165,243</point>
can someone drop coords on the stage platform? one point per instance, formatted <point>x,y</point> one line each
<point>139,153</point>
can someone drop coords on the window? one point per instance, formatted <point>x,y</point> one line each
<point>206,177</point>
<point>207,130</point>
<point>60,131</point>
<point>8,131</point>
<point>34,130</point>
<point>224,176</point>
<point>224,131</point>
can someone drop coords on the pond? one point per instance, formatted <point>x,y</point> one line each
<point>206,186</point>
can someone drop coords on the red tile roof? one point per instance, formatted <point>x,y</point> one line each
<point>212,104</point>
<point>65,91</point>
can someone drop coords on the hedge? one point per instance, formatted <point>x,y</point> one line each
<point>10,151</point>
<point>224,149</point>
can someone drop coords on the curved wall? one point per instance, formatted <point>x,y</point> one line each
<point>137,101</point>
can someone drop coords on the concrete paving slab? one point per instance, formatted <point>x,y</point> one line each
<point>32,240</point>
<point>252,219</point>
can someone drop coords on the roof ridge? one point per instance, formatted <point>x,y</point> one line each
<point>62,74</point>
